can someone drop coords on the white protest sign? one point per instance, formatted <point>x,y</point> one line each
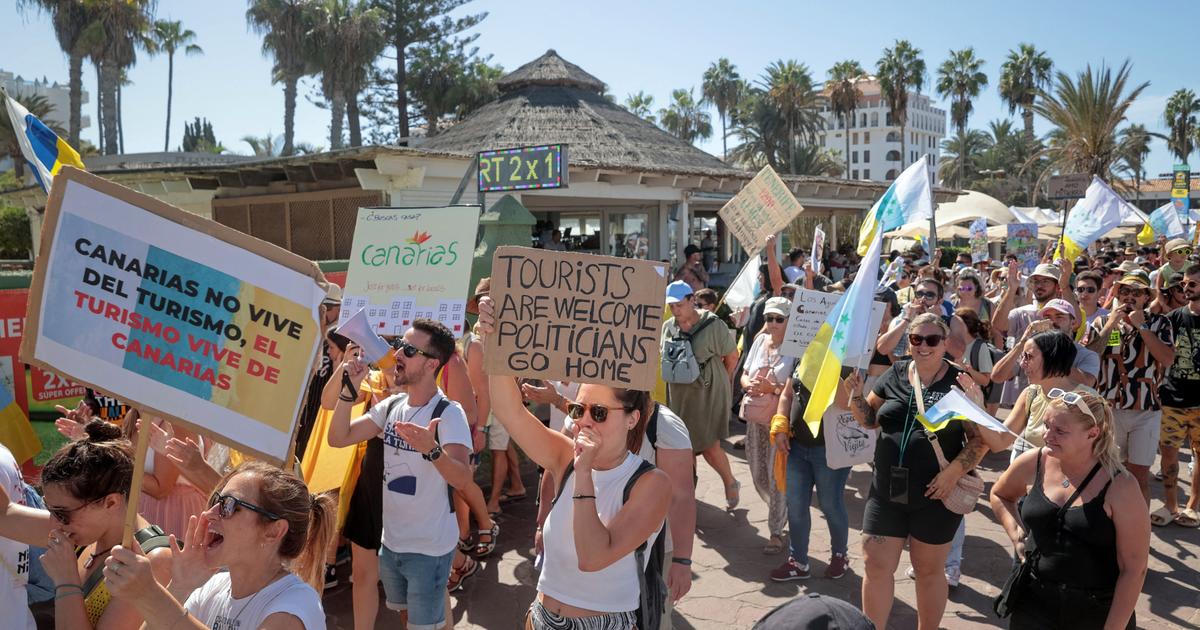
<point>809,311</point>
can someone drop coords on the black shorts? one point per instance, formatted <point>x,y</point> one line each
<point>364,519</point>
<point>930,523</point>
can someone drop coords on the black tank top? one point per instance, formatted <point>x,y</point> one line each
<point>1082,551</point>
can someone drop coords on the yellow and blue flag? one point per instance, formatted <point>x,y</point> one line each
<point>15,430</point>
<point>43,149</point>
<point>847,328</point>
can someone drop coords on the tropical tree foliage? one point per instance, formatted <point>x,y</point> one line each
<point>641,105</point>
<point>900,69</point>
<point>284,26</point>
<point>70,19</point>
<point>16,241</point>
<point>116,31</point>
<point>171,37</point>
<point>1024,73</point>
<point>1132,150</point>
<point>788,88</point>
<point>961,154</point>
<point>684,118</point>
<point>720,88</point>
<point>345,38</point>
<point>1180,116</point>
<point>764,138</point>
<point>844,95</point>
<point>960,79</point>
<point>198,137</point>
<point>1087,111</point>
<point>449,82</point>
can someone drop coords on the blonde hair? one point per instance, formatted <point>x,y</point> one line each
<point>1105,447</point>
<point>929,318</point>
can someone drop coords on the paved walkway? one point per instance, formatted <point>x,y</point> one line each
<point>731,589</point>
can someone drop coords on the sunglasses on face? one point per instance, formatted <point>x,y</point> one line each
<point>229,506</point>
<point>1186,251</point>
<point>921,340</point>
<point>1026,357</point>
<point>1085,289</point>
<point>776,319</point>
<point>1122,292</point>
<point>599,412</point>
<point>409,350</point>
<point>1189,284</point>
<point>63,515</point>
<point>966,288</point>
<point>925,295</point>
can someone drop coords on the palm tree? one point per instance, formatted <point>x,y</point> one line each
<point>788,87</point>
<point>720,89</point>
<point>1086,111</point>
<point>1023,75</point>
<point>812,159</point>
<point>1180,116</point>
<point>284,27</point>
<point>117,29</point>
<point>761,130</point>
<point>1133,149</point>
<point>900,69</point>
<point>266,146</point>
<point>844,95</point>
<point>684,118</point>
<point>960,79</point>
<point>70,18</point>
<point>961,155</point>
<point>345,37</point>
<point>39,107</point>
<point>639,105</point>
<point>170,36</point>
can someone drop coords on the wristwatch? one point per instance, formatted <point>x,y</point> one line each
<point>434,454</point>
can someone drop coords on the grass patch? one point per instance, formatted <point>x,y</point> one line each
<point>51,439</point>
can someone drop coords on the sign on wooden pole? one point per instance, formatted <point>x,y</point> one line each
<point>764,207</point>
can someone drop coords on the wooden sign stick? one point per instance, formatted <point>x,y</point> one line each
<point>135,488</point>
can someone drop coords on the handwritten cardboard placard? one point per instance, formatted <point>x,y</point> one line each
<point>410,263</point>
<point>177,315</point>
<point>847,443</point>
<point>1022,241</point>
<point>977,236</point>
<point>809,311</point>
<point>576,317</point>
<point>764,207</point>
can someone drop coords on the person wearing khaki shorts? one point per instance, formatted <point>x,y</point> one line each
<point>1180,395</point>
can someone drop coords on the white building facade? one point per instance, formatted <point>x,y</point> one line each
<point>875,147</point>
<point>59,96</point>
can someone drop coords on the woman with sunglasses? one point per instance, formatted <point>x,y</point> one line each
<point>589,574</point>
<point>766,372</point>
<point>1072,509</point>
<point>86,487</point>
<point>969,294</point>
<point>268,534</point>
<point>905,498</point>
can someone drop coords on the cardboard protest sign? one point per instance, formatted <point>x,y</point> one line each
<point>1022,241</point>
<point>177,315</point>
<point>410,263</point>
<point>576,317</point>
<point>977,236</point>
<point>809,310</point>
<point>764,207</point>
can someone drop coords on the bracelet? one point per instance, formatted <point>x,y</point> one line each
<point>687,562</point>
<point>347,399</point>
<point>78,591</point>
<point>584,496</point>
<point>75,586</point>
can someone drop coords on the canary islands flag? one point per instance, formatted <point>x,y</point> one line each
<point>1100,210</point>
<point>15,430</point>
<point>847,328</point>
<point>42,148</point>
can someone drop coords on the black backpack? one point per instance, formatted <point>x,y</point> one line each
<point>651,586</point>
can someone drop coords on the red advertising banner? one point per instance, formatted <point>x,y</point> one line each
<point>12,325</point>
<point>49,386</point>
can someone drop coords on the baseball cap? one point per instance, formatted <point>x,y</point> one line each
<point>1177,243</point>
<point>778,306</point>
<point>813,611</point>
<point>1046,270</point>
<point>1139,279</point>
<point>1060,305</point>
<point>678,291</point>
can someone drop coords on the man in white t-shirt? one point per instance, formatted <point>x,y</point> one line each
<point>427,443</point>
<point>14,556</point>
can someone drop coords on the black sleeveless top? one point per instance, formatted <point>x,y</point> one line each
<point>1084,553</point>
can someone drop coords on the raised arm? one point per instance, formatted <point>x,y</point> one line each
<point>1008,299</point>
<point>26,525</point>
<point>773,273</point>
<point>342,430</point>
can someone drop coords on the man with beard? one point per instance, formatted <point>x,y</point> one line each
<point>1056,314</point>
<point>1180,395</point>
<point>1011,323</point>
<point>1133,343</point>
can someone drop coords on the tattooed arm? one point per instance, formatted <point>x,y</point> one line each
<point>863,408</point>
<point>973,451</point>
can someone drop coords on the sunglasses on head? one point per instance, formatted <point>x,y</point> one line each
<point>926,295</point>
<point>409,350</point>
<point>63,515</point>
<point>229,506</point>
<point>1071,398</point>
<point>776,319</point>
<point>929,340</point>
<point>599,412</point>
<point>1085,288</point>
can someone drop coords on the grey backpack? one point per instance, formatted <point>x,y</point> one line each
<point>679,363</point>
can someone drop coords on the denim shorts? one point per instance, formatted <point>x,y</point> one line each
<point>417,583</point>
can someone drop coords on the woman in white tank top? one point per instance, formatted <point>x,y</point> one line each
<point>270,533</point>
<point>589,577</point>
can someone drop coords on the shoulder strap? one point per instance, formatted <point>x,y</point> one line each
<point>652,427</point>
<point>438,410</point>
<point>704,321</point>
<point>563,484</point>
<point>643,468</point>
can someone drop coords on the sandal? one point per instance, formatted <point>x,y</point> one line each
<point>732,501</point>
<point>774,546</point>
<point>1188,518</point>
<point>505,498</point>
<point>464,544</point>
<point>1161,517</point>
<point>458,575</point>
<point>483,549</point>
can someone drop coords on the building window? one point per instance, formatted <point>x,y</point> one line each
<point>893,156</point>
<point>854,157</point>
<point>864,120</point>
<point>889,122</point>
<point>866,173</point>
<point>854,138</point>
<point>874,119</point>
<point>891,174</point>
<point>892,136</point>
<point>866,156</point>
<point>866,137</point>
<point>854,174</point>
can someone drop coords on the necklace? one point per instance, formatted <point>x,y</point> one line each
<point>95,554</point>
<point>232,622</point>
<point>411,418</point>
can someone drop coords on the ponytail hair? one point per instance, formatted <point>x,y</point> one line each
<point>1104,449</point>
<point>310,518</point>
<point>94,467</point>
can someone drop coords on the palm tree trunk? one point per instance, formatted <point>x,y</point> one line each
<point>724,139</point>
<point>337,114</point>
<point>1027,118</point>
<point>846,122</point>
<point>352,120</point>
<point>170,82</point>
<point>401,80</point>
<point>108,104</point>
<point>120,118</point>
<point>289,114</point>
<point>903,148</point>
<point>75,75</point>
<point>99,110</point>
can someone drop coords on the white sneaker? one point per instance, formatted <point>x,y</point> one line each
<point>953,575</point>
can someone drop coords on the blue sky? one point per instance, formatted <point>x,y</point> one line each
<point>654,46</point>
